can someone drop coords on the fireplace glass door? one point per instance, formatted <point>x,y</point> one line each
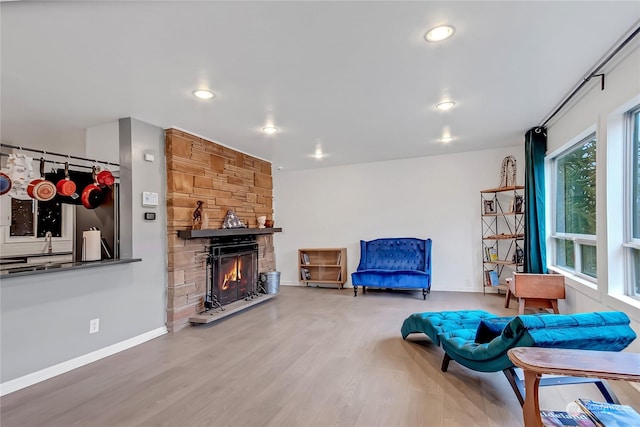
<point>236,277</point>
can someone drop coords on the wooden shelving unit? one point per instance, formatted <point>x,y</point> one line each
<point>502,234</point>
<point>323,266</point>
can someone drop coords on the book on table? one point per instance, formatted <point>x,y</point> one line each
<point>561,418</point>
<point>609,414</point>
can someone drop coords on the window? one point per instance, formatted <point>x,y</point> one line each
<point>574,226</point>
<point>632,244</point>
<point>26,222</point>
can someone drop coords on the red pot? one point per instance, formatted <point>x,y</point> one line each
<point>65,186</point>
<point>93,195</point>
<point>41,189</point>
<point>105,177</point>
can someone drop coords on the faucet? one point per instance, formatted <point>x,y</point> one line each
<point>48,235</point>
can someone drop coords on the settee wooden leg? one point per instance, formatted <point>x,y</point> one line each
<point>445,363</point>
<point>355,291</point>
<point>424,294</point>
<point>364,290</point>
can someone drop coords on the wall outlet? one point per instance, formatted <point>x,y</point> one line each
<point>94,326</point>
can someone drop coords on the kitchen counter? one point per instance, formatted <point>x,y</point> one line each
<point>16,259</point>
<point>53,267</point>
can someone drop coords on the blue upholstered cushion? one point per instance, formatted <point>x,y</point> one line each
<point>491,327</point>
<point>433,324</point>
<point>604,331</point>
<point>394,254</point>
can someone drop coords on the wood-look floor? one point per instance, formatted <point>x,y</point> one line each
<point>310,357</point>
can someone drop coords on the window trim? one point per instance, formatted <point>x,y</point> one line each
<point>551,162</point>
<point>629,243</point>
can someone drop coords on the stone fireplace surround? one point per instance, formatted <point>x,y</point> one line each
<point>198,169</point>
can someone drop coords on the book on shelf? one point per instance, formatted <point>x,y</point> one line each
<point>609,414</point>
<point>561,418</point>
<point>305,274</point>
<point>305,258</point>
<point>492,277</point>
<point>339,259</point>
<point>492,254</point>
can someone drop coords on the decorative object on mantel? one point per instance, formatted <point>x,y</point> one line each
<point>268,223</point>
<point>197,216</point>
<point>261,221</point>
<point>508,172</point>
<point>231,220</point>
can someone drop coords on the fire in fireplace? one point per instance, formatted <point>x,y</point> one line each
<point>233,271</point>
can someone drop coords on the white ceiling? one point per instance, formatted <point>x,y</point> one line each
<point>356,79</point>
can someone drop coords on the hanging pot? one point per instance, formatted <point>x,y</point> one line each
<point>93,195</point>
<point>65,186</point>
<point>41,189</point>
<point>105,178</point>
<point>5,183</point>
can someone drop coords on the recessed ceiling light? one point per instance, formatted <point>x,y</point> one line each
<point>270,130</point>
<point>446,105</point>
<point>446,139</point>
<point>318,155</point>
<point>439,33</point>
<point>203,94</point>
<point>280,168</point>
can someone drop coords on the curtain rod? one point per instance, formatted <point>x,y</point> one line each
<point>66,156</point>
<point>594,73</point>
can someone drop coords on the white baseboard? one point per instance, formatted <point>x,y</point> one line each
<point>52,371</point>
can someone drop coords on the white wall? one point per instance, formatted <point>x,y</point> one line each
<point>430,197</point>
<point>44,319</point>
<point>102,142</point>
<point>596,107</point>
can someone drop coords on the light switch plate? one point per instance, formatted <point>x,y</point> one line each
<point>149,199</point>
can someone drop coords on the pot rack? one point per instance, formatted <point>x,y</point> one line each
<point>66,157</point>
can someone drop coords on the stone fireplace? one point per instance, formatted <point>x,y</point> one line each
<point>198,169</point>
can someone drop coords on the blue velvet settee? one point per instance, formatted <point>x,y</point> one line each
<point>400,263</point>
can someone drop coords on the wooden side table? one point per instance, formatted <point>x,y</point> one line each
<point>535,290</point>
<point>536,361</point>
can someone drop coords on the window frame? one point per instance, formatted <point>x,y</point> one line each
<point>630,243</point>
<point>578,240</point>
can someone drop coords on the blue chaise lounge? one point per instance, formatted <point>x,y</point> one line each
<point>394,263</point>
<point>480,340</point>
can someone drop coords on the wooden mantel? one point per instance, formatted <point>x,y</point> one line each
<point>220,232</point>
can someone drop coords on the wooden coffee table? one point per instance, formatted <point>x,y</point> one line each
<point>536,361</point>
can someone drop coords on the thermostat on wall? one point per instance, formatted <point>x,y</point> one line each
<point>149,199</point>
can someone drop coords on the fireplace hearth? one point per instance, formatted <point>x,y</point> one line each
<point>232,267</point>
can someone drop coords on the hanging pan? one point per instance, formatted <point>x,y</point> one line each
<point>65,186</point>
<point>5,183</point>
<point>93,194</point>
<point>41,189</point>
<point>105,178</point>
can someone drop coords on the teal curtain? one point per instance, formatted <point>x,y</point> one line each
<point>535,248</point>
